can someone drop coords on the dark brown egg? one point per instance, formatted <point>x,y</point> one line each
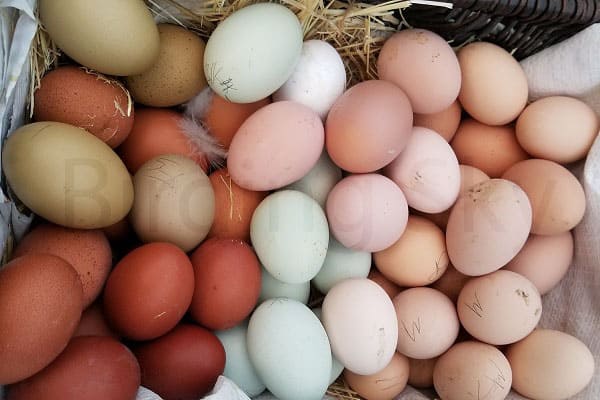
<point>40,304</point>
<point>182,365</point>
<point>93,323</point>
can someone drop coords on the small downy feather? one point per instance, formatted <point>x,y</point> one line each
<point>196,108</point>
<point>199,137</point>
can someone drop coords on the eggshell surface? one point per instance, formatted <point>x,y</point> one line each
<point>319,181</point>
<point>271,288</point>
<point>384,385</point>
<point>444,123</point>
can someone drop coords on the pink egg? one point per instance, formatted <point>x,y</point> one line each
<point>367,212</point>
<point>275,146</point>
<point>368,126</point>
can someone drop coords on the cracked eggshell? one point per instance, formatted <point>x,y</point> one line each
<point>253,52</point>
<point>361,323</point>
<point>427,172</point>
<point>499,308</point>
<point>427,322</point>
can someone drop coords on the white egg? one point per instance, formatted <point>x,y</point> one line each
<point>238,366</point>
<point>318,80</point>
<point>341,263</point>
<point>320,180</point>
<point>271,288</point>
<point>289,348</point>
<point>290,235</point>
<point>253,52</point>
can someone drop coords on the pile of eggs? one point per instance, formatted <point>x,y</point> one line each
<point>430,210</point>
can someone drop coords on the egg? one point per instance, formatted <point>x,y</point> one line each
<point>238,366</point>
<point>544,260</point>
<point>421,372</point>
<point>367,212</point>
<point>427,322</point>
<point>384,385</point>
<point>499,308</point>
<point>275,146</point>
<point>290,236</point>
<point>444,123</point>
<point>451,283</point>
<point>341,263</point>
<point>41,300</point>
<point>550,365</point>
<point>88,252</point>
<point>319,78</point>
<point>427,172</point>
<point>86,99</point>
<point>368,126</point>
<point>244,63</point>
<point>177,75</point>
<point>271,288</point>
<point>114,37</point>
<point>174,202</point>
<point>149,291</point>
<point>491,149</point>
<point>424,65</point>
<point>418,258</point>
<point>557,128</point>
<point>471,368</point>
<point>361,324</point>
<point>227,280</point>
<point>319,181</point>
<point>90,367</point>
<point>67,175</point>
<point>183,364</point>
<point>388,286</point>
<point>488,226</point>
<point>223,118</point>
<point>157,132</point>
<point>287,345</point>
<point>557,197</point>
<point>494,87</point>
<point>234,207</point>
<point>94,323</point>
<point>336,367</point>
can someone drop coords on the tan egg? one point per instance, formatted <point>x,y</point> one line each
<point>388,286</point>
<point>418,258</point>
<point>177,75</point>
<point>550,365</point>
<point>471,369</point>
<point>174,202</point>
<point>500,308</point>
<point>492,149</point>
<point>494,86</point>
<point>544,260</point>
<point>557,197</point>
<point>421,372</point>
<point>451,283</point>
<point>444,122</point>
<point>558,128</point>
<point>384,385</point>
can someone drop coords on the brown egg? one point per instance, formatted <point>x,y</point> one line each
<point>444,122</point>
<point>492,149</point>
<point>86,99</point>
<point>451,283</point>
<point>149,291</point>
<point>182,365</point>
<point>223,118</point>
<point>88,251</point>
<point>544,260</point>
<point>494,86</point>
<point>557,197</point>
<point>388,286</point>
<point>421,372</point>
<point>40,304</point>
<point>234,207</point>
<point>157,132</point>
<point>227,275</point>
<point>93,323</point>
<point>90,368</point>
<point>384,385</point>
<point>368,126</point>
<point>178,73</point>
<point>418,258</point>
